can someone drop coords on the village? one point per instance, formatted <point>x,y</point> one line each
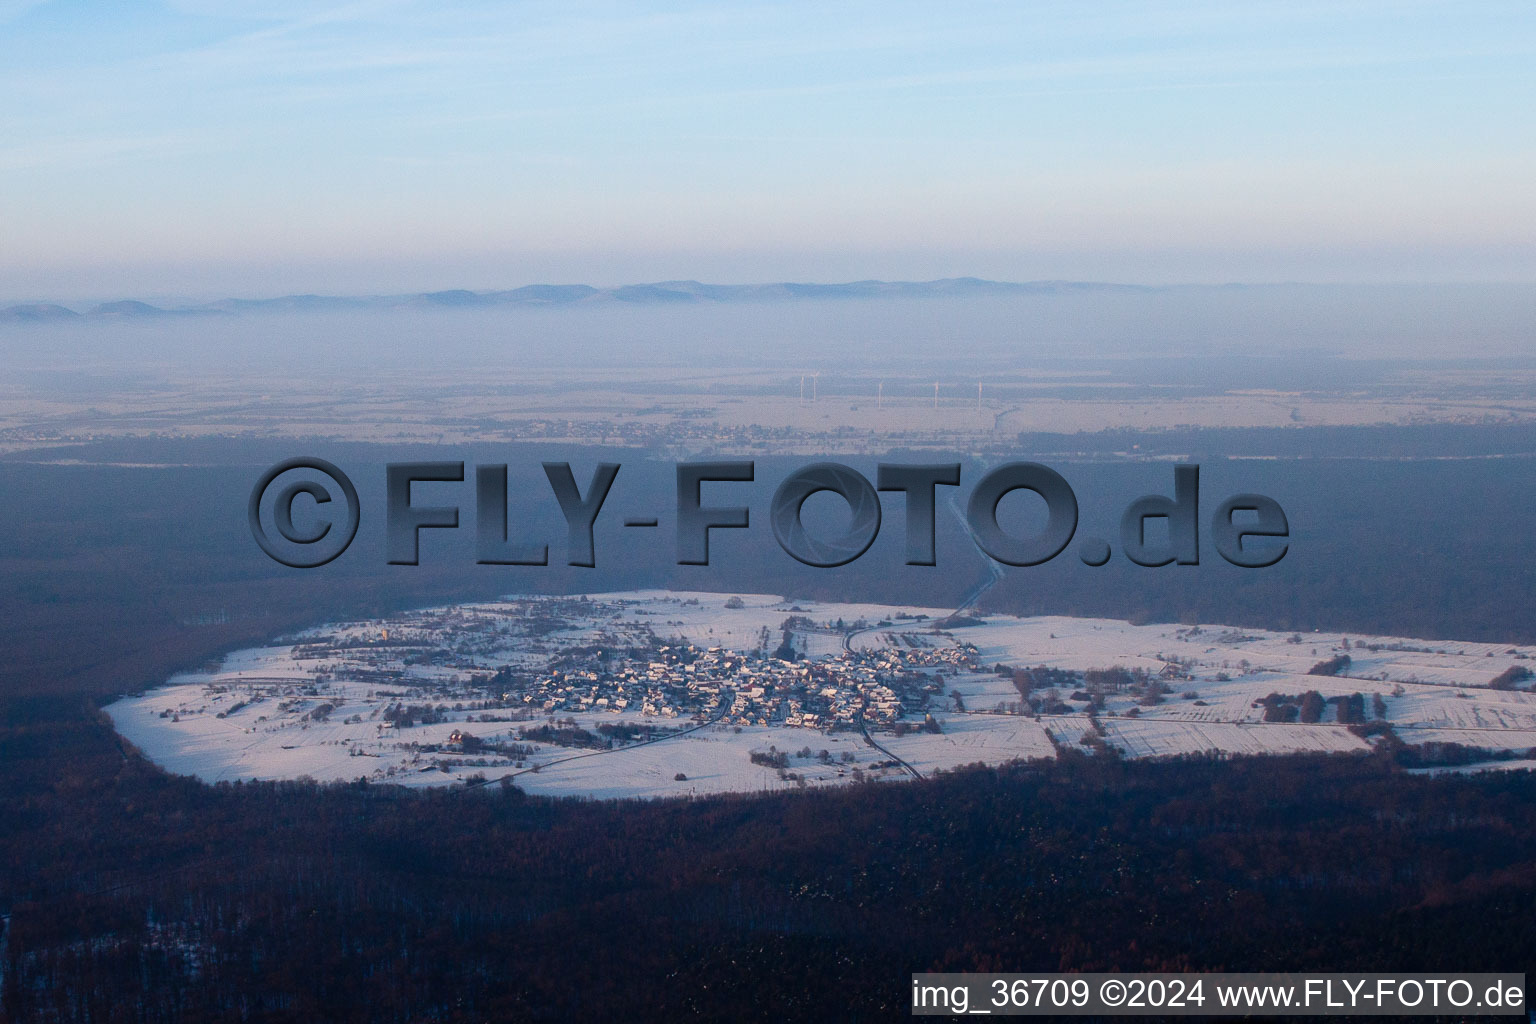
<point>627,667</point>
<point>657,693</point>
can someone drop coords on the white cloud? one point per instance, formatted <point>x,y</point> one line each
<point>10,10</point>
<point>247,10</point>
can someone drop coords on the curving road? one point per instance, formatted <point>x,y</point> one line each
<point>725,709</point>
<point>871,741</point>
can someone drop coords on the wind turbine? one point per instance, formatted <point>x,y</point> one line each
<point>802,387</point>
<point>880,396</point>
<point>814,376</point>
<point>978,396</point>
<point>935,394</point>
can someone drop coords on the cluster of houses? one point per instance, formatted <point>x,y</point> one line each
<point>624,667</point>
<point>752,688</point>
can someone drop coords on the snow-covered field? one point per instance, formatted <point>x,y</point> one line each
<point>969,739</point>
<point>327,704</point>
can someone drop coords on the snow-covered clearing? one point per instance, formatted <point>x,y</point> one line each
<point>656,693</point>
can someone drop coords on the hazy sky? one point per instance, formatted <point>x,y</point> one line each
<point>205,147</point>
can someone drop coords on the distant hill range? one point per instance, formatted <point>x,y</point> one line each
<point>662,293</point>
